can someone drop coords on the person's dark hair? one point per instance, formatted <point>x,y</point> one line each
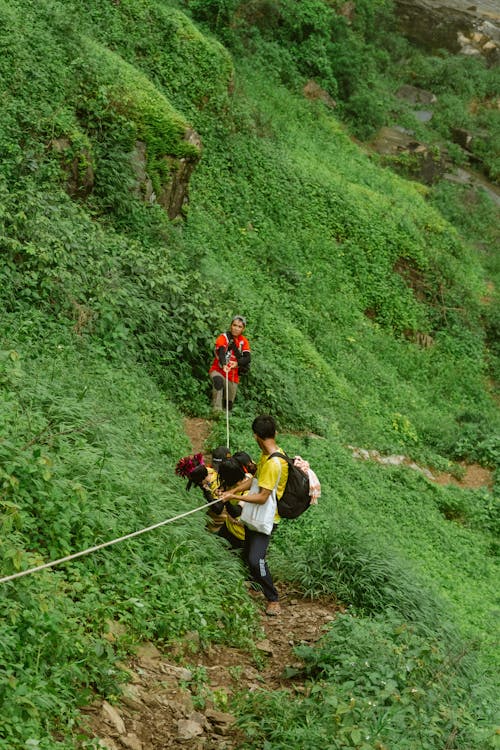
<point>197,476</point>
<point>245,461</point>
<point>264,426</point>
<point>218,454</point>
<point>230,473</point>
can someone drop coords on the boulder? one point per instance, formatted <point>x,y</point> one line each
<point>409,156</point>
<point>415,95</point>
<point>455,25</point>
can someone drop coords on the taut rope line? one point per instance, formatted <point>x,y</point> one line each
<point>104,544</point>
<point>227,410</point>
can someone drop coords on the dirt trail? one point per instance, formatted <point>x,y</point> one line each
<point>165,706</point>
<point>198,431</point>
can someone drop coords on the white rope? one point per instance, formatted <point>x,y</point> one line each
<point>227,409</point>
<point>104,544</point>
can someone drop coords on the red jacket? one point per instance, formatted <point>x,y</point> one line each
<point>222,341</point>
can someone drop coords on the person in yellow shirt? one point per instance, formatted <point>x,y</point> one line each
<point>206,477</point>
<point>271,476</point>
<point>216,514</point>
<point>231,473</point>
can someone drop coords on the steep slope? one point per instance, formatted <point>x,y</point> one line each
<point>115,279</point>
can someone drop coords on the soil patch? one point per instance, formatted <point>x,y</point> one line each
<point>170,706</point>
<point>198,431</point>
<point>474,477</point>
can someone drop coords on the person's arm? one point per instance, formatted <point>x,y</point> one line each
<point>235,492</point>
<point>244,362</point>
<point>234,510</point>
<point>216,508</point>
<point>259,497</point>
<point>221,355</point>
<point>222,345</point>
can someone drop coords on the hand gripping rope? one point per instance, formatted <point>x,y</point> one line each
<point>104,544</point>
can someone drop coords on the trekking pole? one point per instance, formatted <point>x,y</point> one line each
<point>227,409</point>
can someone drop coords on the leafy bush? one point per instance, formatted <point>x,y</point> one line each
<point>374,683</point>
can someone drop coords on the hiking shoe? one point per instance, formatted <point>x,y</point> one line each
<point>273,609</point>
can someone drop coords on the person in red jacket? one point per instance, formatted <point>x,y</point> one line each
<point>232,358</point>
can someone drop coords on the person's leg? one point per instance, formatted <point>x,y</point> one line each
<point>254,554</point>
<point>231,393</point>
<point>217,390</point>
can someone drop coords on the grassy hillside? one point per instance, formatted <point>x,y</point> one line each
<point>108,316</point>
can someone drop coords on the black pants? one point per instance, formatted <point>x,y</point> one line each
<point>254,554</point>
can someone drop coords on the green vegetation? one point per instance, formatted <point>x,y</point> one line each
<point>108,316</point>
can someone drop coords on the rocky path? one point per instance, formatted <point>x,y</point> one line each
<point>180,699</point>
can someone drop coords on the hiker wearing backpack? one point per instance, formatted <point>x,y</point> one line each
<point>267,487</point>
<point>232,359</point>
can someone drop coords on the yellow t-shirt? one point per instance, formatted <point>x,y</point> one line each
<point>235,527</point>
<point>268,470</point>
<point>214,520</point>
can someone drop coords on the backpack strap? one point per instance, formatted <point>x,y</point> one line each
<point>281,454</point>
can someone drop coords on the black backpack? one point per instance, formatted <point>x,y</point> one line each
<point>295,499</point>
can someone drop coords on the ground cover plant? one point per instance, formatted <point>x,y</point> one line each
<point>109,311</point>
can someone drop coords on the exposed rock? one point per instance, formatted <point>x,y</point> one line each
<point>167,717</point>
<point>188,729</point>
<point>437,24</point>
<point>77,163</point>
<point>415,95</point>
<point>423,115</point>
<point>264,646</point>
<point>143,188</point>
<point>222,722</point>
<point>491,29</point>
<point>148,655</point>
<point>422,339</point>
<point>173,195</point>
<point>393,141</point>
<point>198,718</point>
<point>462,137</point>
<point>132,741</point>
<point>314,92</point>
<point>474,181</point>
<point>113,717</point>
<point>393,460</point>
<point>131,697</point>
<point>179,673</point>
<point>420,161</point>
<point>107,743</point>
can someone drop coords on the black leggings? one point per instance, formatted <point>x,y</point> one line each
<point>254,554</point>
